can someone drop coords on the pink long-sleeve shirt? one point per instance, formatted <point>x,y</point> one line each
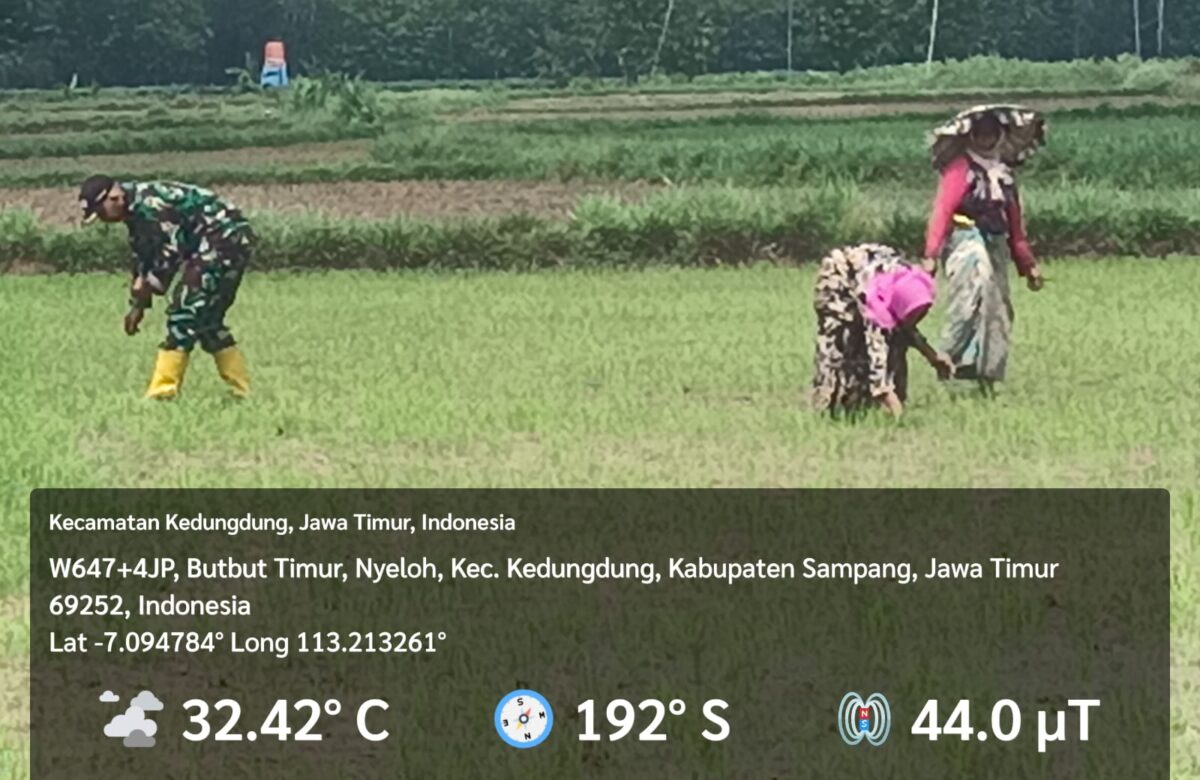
<point>953,186</point>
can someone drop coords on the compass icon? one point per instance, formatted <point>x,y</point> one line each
<point>524,718</point>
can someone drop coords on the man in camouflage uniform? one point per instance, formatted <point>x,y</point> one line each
<point>186,231</point>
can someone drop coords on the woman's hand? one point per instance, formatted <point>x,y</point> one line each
<point>943,365</point>
<point>893,404</point>
<point>930,265</point>
<point>1034,280</point>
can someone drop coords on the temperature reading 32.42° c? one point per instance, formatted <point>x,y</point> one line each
<point>298,721</point>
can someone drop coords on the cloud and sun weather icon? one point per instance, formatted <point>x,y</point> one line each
<point>524,719</point>
<point>133,727</point>
<point>870,719</point>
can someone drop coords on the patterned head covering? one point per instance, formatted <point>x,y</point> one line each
<point>1024,132</point>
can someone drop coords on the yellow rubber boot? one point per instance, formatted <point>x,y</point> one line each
<point>232,368</point>
<point>169,369</point>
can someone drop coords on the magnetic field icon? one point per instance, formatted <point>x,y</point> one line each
<point>870,719</point>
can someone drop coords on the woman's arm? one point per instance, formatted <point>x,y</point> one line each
<point>1018,241</point>
<point>940,361</point>
<point>1018,244</point>
<point>952,188</point>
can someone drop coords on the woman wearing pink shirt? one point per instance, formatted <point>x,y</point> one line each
<point>977,228</point>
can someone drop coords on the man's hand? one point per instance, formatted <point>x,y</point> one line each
<point>141,291</point>
<point>930,265</point>
<point>132,320</point>
<point>893,404</point>
<point>1034,280</point>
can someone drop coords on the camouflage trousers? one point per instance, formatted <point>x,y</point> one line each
<point>199,302</point>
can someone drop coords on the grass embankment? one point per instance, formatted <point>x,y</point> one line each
<point>684,226</point>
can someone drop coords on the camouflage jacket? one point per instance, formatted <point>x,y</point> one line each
<point>171,223</point>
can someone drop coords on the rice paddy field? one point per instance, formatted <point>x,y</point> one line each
<point>518,286</point>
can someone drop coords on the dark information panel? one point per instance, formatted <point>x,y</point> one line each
<point>556,633</point>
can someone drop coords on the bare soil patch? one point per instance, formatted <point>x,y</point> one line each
<point>369,200</point>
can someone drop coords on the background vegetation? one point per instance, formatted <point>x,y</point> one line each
<point>44,43</point>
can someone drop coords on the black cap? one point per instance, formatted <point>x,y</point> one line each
<point>92,193</point>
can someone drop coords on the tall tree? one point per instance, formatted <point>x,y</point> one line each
<point>1161,8</point>
<point>44,42</point>
<point>790,29</point>
<point>662,38</point>
<point>1137,29</point>
<point>933,23</point>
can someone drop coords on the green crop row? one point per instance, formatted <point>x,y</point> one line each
<point>1124,151</point>
<point>69,172</point>
<point>1125,72</point>
<point>1148,147</point>
<point>88,122</point>
<point>986,72</point>
<point>1142,149</point>
<point>743,100</point>
<point>686,226</point>
<point>199,137</point>
<point>746,147</point>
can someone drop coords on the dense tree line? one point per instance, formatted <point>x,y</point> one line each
<point>46,42</point>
